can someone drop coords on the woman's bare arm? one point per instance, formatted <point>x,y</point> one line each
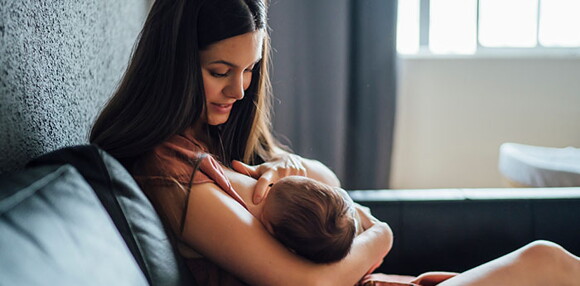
<point>320,172</point>
<point>226,233</point>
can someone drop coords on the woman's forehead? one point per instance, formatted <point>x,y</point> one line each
<point>238,51</point>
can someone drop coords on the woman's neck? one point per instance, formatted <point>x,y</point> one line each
<point>200,132</point>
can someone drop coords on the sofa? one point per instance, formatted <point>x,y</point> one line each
<point>75,216</point>
<point>458,229</point>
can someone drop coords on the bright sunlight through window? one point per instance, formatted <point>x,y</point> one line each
<point>467,27</point>
<point>408,27</point>
<point>509,23</point>
<point>453,31</point>
<point>560,23</point>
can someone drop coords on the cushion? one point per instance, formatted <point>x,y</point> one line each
<point>131,211</point>
<point>54,231</point>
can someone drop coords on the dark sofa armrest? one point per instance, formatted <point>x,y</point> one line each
<point>458,229</point>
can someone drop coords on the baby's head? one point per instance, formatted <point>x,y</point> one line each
<point>313,219</point>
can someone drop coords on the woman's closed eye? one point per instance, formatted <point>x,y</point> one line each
<point>219,75</point>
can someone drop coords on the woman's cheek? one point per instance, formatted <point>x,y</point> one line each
<point>247,81</point>
<point>210,89</point>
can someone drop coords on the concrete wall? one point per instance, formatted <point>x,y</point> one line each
<point>454,113</point>
<point>59,63</point>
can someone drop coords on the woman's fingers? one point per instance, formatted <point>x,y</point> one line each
<point>262,186</point>
<point>270,172</point>
<point>367,219</point>
<point>248,170</point>
<point>295,166</point>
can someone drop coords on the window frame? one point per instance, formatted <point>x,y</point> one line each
<point>482,51</point>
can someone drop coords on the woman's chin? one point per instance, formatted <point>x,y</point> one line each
<point>216,121</point>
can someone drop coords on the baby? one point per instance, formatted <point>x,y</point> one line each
<point>315,220</point>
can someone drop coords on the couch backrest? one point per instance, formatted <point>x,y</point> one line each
<point>59,63</point>
<point>131,212</point>
<point>54,231</point>
<point>458,229</point>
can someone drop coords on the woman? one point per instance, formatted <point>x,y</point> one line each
<point>198,82</point>
<point>197,85</point>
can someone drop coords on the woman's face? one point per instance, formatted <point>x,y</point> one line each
<point>226,68</point>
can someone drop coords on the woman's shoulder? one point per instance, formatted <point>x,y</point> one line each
<point>183,159</point>
<point>179,148</point>
<point>177,157</point>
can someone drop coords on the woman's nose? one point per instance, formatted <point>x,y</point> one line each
<point>236,88</point>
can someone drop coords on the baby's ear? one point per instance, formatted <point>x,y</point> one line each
<point>266,223</point>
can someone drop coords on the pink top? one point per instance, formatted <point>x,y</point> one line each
<point>166,175</point>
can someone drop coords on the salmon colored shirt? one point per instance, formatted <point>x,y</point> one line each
<point>167,174</point>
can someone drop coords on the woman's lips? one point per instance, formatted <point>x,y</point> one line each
<point>221,108</point>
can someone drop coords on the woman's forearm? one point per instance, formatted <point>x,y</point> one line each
<point>368,248</point>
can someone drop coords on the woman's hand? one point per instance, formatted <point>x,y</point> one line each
<point>367,219</point>
<point>270,172</point>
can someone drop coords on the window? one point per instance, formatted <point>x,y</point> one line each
<point>470,27</point>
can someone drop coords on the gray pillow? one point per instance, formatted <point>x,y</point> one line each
<point>131,211</point>
<point>54,231</point>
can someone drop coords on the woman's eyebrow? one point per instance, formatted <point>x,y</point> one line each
<point>230,64</point>
<point>223,62</point>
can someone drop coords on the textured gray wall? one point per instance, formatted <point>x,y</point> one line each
<point>60,60</point>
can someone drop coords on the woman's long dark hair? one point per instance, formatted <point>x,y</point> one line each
<point>162,93</point>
